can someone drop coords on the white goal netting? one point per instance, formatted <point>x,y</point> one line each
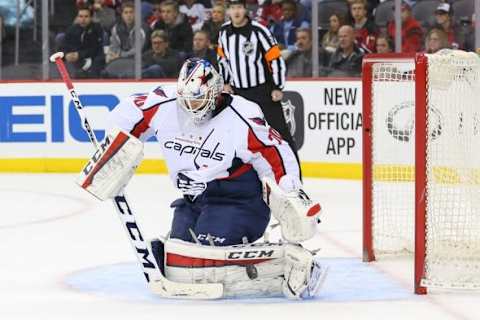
<point>453,165</point>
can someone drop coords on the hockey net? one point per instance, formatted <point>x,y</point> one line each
<point>422,165</point>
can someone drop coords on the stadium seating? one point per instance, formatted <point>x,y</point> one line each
<point>463,10</point>
<point>327,8</point>
<point>424,12</point>
<point>384,13</point>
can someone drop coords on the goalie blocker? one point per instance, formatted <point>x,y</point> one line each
<point>112,165</point>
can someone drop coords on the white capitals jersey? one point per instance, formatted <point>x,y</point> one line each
<point>233,141</point>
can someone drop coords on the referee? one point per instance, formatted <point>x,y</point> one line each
<point>251,65</point>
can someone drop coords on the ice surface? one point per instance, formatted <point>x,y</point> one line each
<point>64,256</point>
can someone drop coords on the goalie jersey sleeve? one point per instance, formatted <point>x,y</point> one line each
<point>135,113</point>
<point>262,146</point>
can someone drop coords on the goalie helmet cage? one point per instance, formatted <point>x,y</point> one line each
<point>421,165</point>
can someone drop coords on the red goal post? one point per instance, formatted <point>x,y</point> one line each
<point>421,165</point>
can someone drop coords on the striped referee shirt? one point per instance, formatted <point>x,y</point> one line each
<point>249,56</point>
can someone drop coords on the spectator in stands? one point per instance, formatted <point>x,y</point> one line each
<point>364,27</point>
<point>217,2</point>
<point>176,25</point>
<point>83,46</point>
<point>160,61</point>
<point>436,40</point>
<point>444,21</point>
<point>202,47</point>
<point>303,13</point>
<point>347,59</point>
<point>412,34</point>
<point>284,30</point>
<point>270,12</point>
<point>371,6</point>
<point>104,15</point>
<point>212,26</point>
<point>122,39</point>
<point>299,63</point>
<point>330,38</point>
<point>156,14</point>
<point>465,33</point>
<point>195,13</point>
<point>121,51</point>
<point>384,44</point>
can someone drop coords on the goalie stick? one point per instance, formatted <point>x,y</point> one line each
<point>157,283</point>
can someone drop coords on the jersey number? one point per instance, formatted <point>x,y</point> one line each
<point>274,135</point>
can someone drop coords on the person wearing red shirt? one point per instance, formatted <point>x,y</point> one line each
<point>412,34</point>
<point>365,29</point>
<point>270,12</point>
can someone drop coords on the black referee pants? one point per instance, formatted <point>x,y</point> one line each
<point>262,95</point>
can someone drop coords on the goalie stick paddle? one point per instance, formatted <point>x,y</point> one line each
<point>153,275</point>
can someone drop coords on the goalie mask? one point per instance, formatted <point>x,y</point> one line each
<point>198,87</point>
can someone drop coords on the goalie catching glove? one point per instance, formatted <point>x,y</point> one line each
<point>112,165</point>
<point>290,205</point>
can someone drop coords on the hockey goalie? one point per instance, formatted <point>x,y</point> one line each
<point>234,172</point>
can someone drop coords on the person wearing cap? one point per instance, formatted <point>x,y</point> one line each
<point>444,21</point>
<point>412,34</point>
<point>251,64</point>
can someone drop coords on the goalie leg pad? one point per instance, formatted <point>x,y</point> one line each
<point>112,166</point>
<point>303,275</point>
<point>244,270</point>
<point>259,269</point>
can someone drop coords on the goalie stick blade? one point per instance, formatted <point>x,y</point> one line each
<point>177,290</point>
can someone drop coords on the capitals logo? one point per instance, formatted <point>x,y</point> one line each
<point>185,149</point>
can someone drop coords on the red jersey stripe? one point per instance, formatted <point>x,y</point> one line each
<point>144,124</point>
<point>176,260</point>
<point>270,153</point>
<point>116,145</point>
<point>237,173</point>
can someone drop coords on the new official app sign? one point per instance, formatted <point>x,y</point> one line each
<point>332,118</point>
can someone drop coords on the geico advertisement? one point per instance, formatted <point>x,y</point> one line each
<point>40,120</point>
